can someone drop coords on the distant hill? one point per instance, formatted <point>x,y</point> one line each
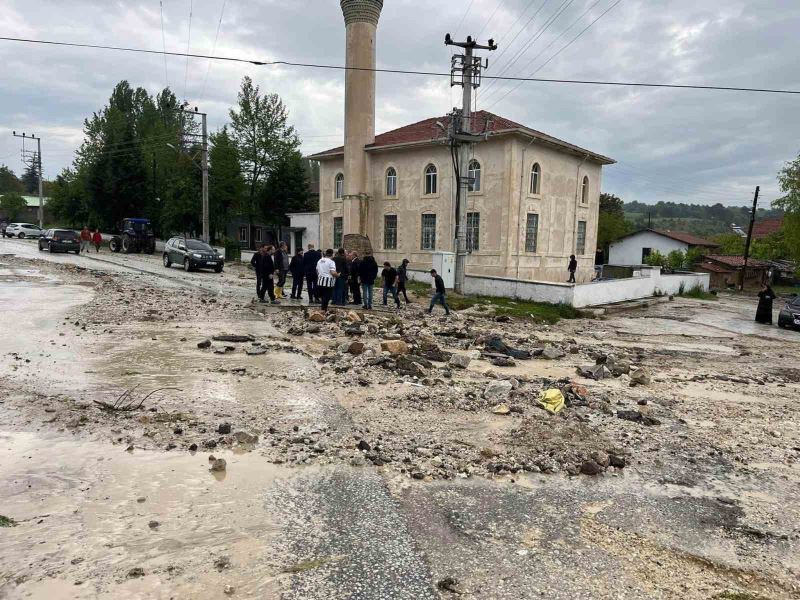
<point>699,219</point>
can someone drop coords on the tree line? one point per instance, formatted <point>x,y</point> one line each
<point>140,157</point>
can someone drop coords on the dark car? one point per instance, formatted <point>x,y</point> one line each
<point>790,314</point>
<point>192,254</point>
<point>60,240</point>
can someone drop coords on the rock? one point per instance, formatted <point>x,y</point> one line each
<point>358,461</point>
<point>590,467</point>
<point>574,349</point>
<point>621,367</point>
<point>395,347</point>
<point>204,344</point>
<point>245,438</point>
<point>501,409</point>
<point>232,338</point>
<point>450,584</point>
<point>229,589</point>
<point>153,524</point>
<point>417,475</point>
<point>551,352</point>
<point>222,562</point>
<point>601,458</point>
<point>135,573</point>
<point>497,390</point>
<point>313,329</point>
<point>223,349</point>
<point>502,319</point>
<point>364,446</point>
<point>224,428</point>
<point>356,348</point>
<point>459,361</point>
<point>411,365</point>
<point>353,316</point>
<point>503,361</point>
<point>637,417</point>
<point>255,351</point>
<point>642,402</point>
<point>618,462</point>
<point>640,377</point>
<point>219,465</point>
<point>193,448</point>
<point>597,372</point>
<point>316,317</point>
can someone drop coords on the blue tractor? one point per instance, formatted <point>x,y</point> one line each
<point>136,235</point>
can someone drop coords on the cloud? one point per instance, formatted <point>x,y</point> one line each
<point>686,146</point>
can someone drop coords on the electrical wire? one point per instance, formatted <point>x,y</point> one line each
<point>213,52</point>
<point>486,24</point>
<point>164,43</point>
<point>461,22</point>
<point>188,46</point>
<point>261,63</point>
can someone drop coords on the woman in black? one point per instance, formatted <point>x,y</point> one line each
<point>764,311</point>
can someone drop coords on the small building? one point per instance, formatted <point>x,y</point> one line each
<point>304,230</point>
<point>766,227</point>
<point>30,214</point>
<point>634,248</point>
<point>725,271</point>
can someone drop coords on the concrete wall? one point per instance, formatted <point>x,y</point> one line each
<point>503,203</point>
<point>628,251</point>
<point>311,223</point>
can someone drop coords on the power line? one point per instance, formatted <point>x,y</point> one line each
<point>164,43</point>
<point>486,24</point>
<point>188,46</point>
<point>213,51</point>
<point>461,22</point>
<point>261,63</point>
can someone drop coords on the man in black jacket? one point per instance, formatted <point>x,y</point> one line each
<point>354,266</point>
<point>298,272</point>
<point>389,276</point>
<point>340,288</point>
<point>367,273</point>
<point>572,267</point>
<point>310,260</point>
<point>402,277</point>
<point>439,292</point>
<point>265,269</point>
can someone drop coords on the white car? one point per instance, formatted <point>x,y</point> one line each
<point>23,230</point>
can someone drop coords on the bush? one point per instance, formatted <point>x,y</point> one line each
<point>233,251</point>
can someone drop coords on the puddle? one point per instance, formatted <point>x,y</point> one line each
<point>82,527</point>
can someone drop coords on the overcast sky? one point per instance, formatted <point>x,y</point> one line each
<point>686,146</point>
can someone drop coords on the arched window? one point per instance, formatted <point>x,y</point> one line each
<point>391,182</point>
<point>431,179</point>
<point>474,174</point>
<point>536,179</point>
<point>585,190</point>
<point>339,186</point>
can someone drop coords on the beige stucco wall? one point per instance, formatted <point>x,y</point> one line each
<point>503,203</point>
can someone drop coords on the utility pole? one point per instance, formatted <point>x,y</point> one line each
<point>35,159</point>
<point>743,274</point>
<point>203,165</point>
<point>465,70</point>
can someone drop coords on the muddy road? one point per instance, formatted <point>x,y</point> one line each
<point>355,473</point>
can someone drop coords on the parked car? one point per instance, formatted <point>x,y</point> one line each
<point>192,254</point>
<point>60,240</point>
<point>23,230</point>
<point>790,314</point>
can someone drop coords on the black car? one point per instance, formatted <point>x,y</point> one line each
<point>790,314</point>
<point>60,240</point>
<point>192,254</point>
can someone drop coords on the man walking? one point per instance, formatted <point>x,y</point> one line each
<point>402,277</point>
<point>367,273</point>
<point>355,288</point>
<point>389,276</point>
<point>97,239</point>
<point>265,270</point>
<point>310,260</point>
<point>281,259</point>
<point>572,267</point>
<point>86,239</point>
<point>298,272</point>
<point>439,293</point>
<point>326,278</point>
<point>340,288</point>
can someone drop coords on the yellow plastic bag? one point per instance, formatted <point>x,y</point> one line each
<point>552,400</point>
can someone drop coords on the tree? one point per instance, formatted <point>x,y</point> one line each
<point>286,189</point>
<point>730,243</point>
<point>611,224</point>
<point>789,181</point>
<point>67,200</point>
<point>225,181</point>
<point>263,137</point>
<point>9,182</point>
<point>12,205</point>
<point>30,178</point>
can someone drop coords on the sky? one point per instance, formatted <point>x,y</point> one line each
<point>673,145</point>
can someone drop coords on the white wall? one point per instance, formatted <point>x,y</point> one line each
<point>628,251</point>
<point>311,234</point>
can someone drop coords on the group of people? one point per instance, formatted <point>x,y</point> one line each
<point>89,239</point>
<point>339,278</point>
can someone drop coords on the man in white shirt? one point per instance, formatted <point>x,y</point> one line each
<point>326,277</point>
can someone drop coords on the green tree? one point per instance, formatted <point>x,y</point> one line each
<point>693,256</point>
<point>9,182</point>
<point>260,128</point>
<point>730,243</point>
<point>676,259</point>
<point>286,190</point>
<point>789,181</point>
<point>612,224</point>
<point>30,178</point>
<point>225,181</point>
<point>656,259</point>
<point>67,200</point>
<point>12,205</point>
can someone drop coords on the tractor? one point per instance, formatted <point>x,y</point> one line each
<point>136,235</point>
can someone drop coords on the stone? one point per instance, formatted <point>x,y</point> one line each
<point>245,438</point>
<point>358,461</point>
<point>204,344</point>
<point>621,367</point>
<point>596,372</point>
<point>551,352</point>
<point>450,584</point>
<point>135,573</point>
<point>411,365</point>
<point>153,524</point>
<point>356,348</point>
<point>395,347</point>
<point>255,351</point>
<point>497,390</point>
<point>590,467</point>
<point>618,462</point>
<point>640,377</point>
<point>601,458</point>
<point>353,316</point>
<point>459,361</point>
<point>637,417</point>
<point>503,361</point>
<point>313,329</point>
<point>224,428</point>
<point>193,448</point>
<point>501,409</point>
<point>222,562</point>
<point>232,338</point>
<point>364,445</point>
<point>223,349</point>
<point>229,589</point>
<point>316,317</point>
<point>219,465</point>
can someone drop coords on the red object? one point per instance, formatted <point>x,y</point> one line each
<point>97,238</point>
<point>85,235</point>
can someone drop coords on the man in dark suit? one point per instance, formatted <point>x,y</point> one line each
<point>310,260</point>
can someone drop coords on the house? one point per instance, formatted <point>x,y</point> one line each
<point>634,248</point>
<point>725,271</point>
<point>766,227</point>
<point>31,213</point>
<point>304,230</point>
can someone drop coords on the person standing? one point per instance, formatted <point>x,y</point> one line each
<point>599,261</point>
<point>97,239</point>
<point>297,270</point>
<point>310,260</point>
<point>326,278</point>
<point>256,262</point>
<point>439,293</point>
<point>402,277</point>
<point>572,267</point>
<point>340,287</point>
<point>355,288</point>
<point>86,238</point>
<point>389,276</point>
<point>368,273</point>
<point>281,260</point>
<point>764,310</point>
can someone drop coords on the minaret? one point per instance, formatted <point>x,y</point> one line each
<point>361,19</point>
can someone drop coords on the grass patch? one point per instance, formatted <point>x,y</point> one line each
<point>522,309</point>
<point>698,293</point>
<point>7,521</point>
<point>786,290</point>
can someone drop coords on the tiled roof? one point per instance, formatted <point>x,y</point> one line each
<point>766,227</point>
<point>714,268</point>
<point>735,261</point>
<point>687,238</point>
<point>482,122</point>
